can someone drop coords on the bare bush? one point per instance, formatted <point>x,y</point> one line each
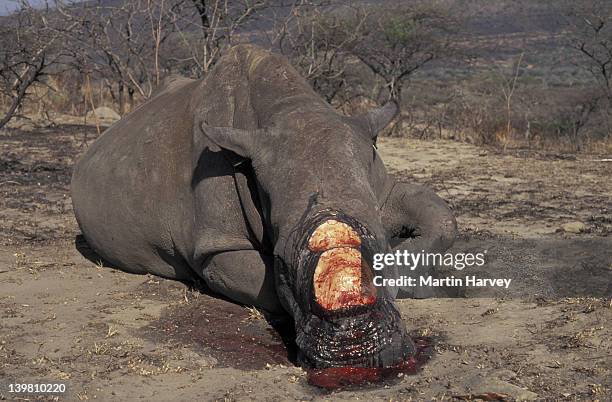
<point>28,50</point>
<point>316,37</point>
<point>589,26</point>
<point>131,45</point>
<point>590,33</point>
<point>395,42</point>
<point>120,44</point>
<point>206,28</point>
<point>334,44</point>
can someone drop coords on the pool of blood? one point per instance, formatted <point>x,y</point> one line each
<point>342,377</point>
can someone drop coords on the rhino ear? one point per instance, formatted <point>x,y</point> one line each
<point>377,119</point>
<point>241,142</point>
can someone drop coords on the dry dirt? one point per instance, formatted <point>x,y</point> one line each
<point>109,335</point>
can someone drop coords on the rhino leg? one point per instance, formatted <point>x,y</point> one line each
<point>244,276</point>
<point>418,220</point>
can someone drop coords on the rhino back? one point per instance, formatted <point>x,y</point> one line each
<point>132,189</point>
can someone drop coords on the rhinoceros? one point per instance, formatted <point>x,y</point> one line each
<point>248,180</point>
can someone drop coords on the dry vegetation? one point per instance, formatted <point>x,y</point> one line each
<point>507,74</point>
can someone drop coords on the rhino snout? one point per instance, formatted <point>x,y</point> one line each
<point>342,320</point>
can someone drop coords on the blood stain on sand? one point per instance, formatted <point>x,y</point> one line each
<point>342,377</point>
<point>226,332</point>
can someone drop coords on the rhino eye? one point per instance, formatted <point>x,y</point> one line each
<point>407,232</point>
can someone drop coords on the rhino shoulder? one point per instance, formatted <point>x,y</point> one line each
<point>171,83</point>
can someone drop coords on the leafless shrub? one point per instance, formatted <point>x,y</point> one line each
<point>130,46</point>
<point>28,51</point>
<point>206,28</point>
<point>333,45</point>
<point>316,38</point>
<point>123,44</point>
<point>395,42</point>
<point>590,34</point>
<point>589,26</point>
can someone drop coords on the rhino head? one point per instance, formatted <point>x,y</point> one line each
<point>319,180</point>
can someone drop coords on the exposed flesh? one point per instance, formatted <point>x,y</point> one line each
<point>341,278</point>
<point>331,234</point>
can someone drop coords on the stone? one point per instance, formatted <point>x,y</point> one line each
<point>105,115</point>
<point>574,227</point>
<point>504,374</point>
<point>480,386</point>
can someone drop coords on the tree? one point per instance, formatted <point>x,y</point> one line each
<point>206,28</point>
<point>316,38</point>
<point>393,42</point>
<point>122,44</point>
<point>130,45</point>
<point>590,34</point>
<point>589,30</point>
<point>396,41</point>
<point>28,50</point>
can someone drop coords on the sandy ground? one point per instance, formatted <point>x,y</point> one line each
<point>109,335</point>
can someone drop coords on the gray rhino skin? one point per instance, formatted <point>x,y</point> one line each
<point>223,179</point>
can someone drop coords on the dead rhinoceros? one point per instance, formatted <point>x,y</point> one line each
<point>249,180</point>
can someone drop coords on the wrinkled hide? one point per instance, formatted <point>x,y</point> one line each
<point>250,181</point>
